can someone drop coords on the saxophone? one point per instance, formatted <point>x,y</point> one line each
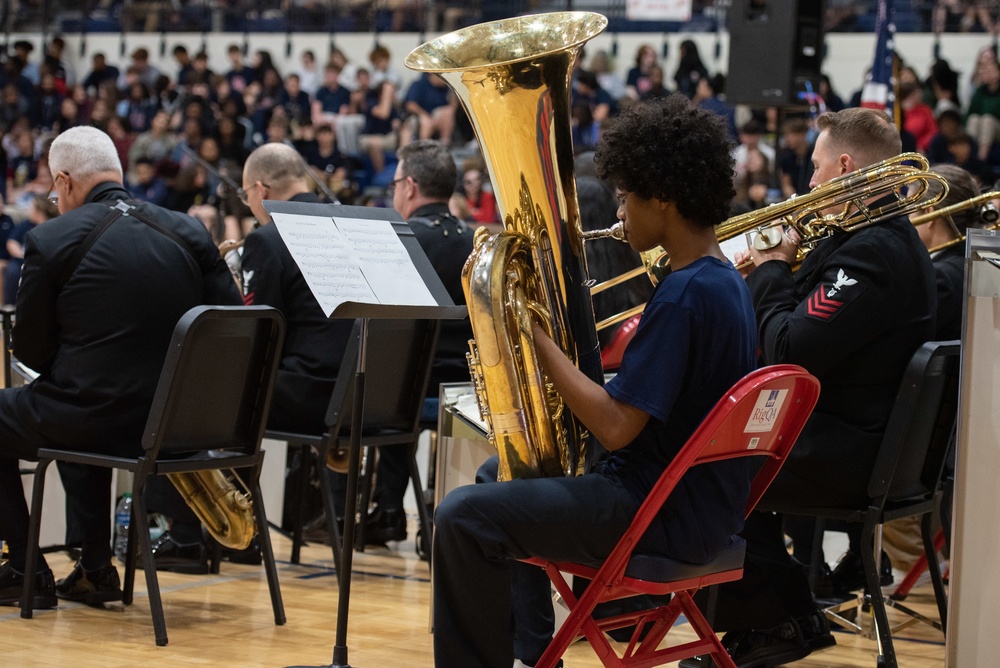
<point>513,77</point>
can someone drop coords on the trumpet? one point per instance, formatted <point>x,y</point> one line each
<point>988,215</point>
<point>908,186</point>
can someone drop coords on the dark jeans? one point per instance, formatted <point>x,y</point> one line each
<point>490,609</point>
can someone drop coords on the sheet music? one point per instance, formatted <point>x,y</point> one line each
<point>352,260</point>
<point>731,246</point>
<point>384,261</point>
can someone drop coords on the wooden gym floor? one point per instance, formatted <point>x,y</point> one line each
<point>226,620</point>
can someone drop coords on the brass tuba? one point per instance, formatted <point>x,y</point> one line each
<point>513,77</point>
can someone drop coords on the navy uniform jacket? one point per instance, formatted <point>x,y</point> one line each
<point>852,315</point>
<point>447,246</point>
<point>949,269</point>
<point>314,344</point>
<point>98,341</point>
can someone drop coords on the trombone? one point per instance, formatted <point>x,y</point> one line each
<point>988,215</point>
<point>899,186</point>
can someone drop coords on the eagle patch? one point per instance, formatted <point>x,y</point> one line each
<point>829,299</point>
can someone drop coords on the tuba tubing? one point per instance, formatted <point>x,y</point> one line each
<point>226,512</point>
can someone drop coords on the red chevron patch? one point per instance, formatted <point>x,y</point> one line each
<point>821,306</point>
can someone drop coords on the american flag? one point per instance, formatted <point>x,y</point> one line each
<point>878,91</point>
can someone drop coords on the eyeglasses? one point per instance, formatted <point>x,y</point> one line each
<point>392,185</point>
<point>54,199</point>
<point>245,194</point>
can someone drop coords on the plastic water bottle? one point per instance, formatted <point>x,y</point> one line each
<point>123,513</point>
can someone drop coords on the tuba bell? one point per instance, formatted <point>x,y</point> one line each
<point>513,77</point>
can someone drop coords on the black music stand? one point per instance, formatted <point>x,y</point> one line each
<point>385,307</point>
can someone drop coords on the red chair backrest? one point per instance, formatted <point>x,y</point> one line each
<point>611,354</point>
<point>761,415</point>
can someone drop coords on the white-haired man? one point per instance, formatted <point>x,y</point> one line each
<point>100,295</point>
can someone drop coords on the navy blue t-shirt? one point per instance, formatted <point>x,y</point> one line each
<point>696,339</point>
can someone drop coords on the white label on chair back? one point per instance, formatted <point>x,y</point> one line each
<point>765,411</point>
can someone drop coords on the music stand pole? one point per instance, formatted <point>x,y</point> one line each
<point>351,504</point>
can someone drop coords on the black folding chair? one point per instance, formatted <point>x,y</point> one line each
<point>208,413</point>
<point>905,480</point>
<point>400,353</point>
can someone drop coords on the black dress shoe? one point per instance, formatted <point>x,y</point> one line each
<point>249,555</point>
<point>816,631</point>
<point>849,574</point>
<point>169,555</point>
<point>95,588</point>
<point>384,525</point>
<point>12,585</point>
<point>776,646</point>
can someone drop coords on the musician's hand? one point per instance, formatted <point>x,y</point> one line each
<point>743,262</point>
<point>785,251</point>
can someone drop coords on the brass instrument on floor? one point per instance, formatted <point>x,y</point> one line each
<point>988,215</point>
<point>226,512</point>
<point>514,77</point>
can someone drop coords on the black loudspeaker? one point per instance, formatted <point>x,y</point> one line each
<point>775,51</point>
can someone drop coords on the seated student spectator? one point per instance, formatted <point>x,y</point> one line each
<point>140,69</point>
<point>756,181</point>
<point>328,165</point>
<point>751,137</point>
<point>708,95</point>
<point>793,159</point>
<point>13,105</point>
<point>331,99</point>
<point>156,144</point>
<point>184,66</point>
<point>832,101</point>
<point>656,90</point>
<point>482,204</point>
<point>380,134</point>
<point>295,101</point>
<point>962,149</point>
<point>949,124</point>
<point>239,74</point>
<point>41,209</point>
<point>587,91</point>
<point>380,60</point>
<point>982,118</point>
<point>23,165</point>
<point>121,137</point>
<point>100,72</point>
<point>310,77</point>
<point>690,69</point>
<point>138,108</point>
<point>145,185</point>
<point>603,68</point>
<point>430,110</point>
<point>639,79</point>
<point>45,111</point>
<point>919,118</point>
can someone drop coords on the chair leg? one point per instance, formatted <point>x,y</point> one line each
<point>418,492</point>
<point>140,520</point>
<point>930,551</point>
<point>34,530</point>
<point>883,631</point>
<point>326,491</point>
<point>364,499</point>
<point>267,552</point>
<point>131,556</point>
<point>302,484</point>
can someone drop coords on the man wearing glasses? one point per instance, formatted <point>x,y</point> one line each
<point>425,179</point>
<point>314,344</point>
<point>102,287</point>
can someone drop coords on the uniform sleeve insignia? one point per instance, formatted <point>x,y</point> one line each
<point>828,299</point>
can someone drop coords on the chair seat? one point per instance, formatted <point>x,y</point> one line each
<point>656,568</point>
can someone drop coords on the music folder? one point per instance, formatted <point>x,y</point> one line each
<point>362,262</point>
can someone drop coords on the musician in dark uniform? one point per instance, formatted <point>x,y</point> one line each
<point>314,344</point>
<point>853,315</point>
<point>949,263</point>
<point>672,168</point>
<point>101,292</point>
<point>425,179</point>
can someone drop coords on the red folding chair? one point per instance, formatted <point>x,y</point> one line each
<point>611,354</point>
<point>761,415</point>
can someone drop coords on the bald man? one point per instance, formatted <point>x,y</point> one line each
<point>314,344</point>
